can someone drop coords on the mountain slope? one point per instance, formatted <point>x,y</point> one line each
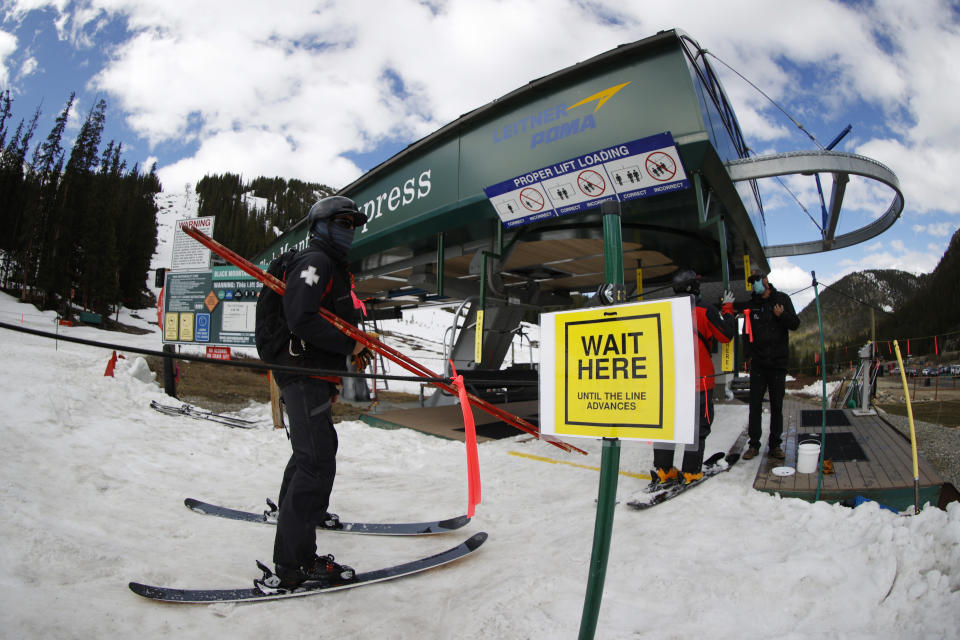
<point>846,307</point>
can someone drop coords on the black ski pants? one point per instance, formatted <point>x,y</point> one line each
<point>762,381</point>
<point>308,477</point>
<point>692,453</point>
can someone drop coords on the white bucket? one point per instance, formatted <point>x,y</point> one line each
<point>808,456</point>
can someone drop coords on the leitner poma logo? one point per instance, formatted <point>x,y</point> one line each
<point>535,123</point>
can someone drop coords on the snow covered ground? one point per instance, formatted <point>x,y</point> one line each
<point>92,486</point>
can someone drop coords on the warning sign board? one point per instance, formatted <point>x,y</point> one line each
<point>636,169</point>
<point>187,253</point>
<point>626,371</point>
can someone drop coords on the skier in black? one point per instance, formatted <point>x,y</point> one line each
<point>769,316</point>
<point>317,276</point>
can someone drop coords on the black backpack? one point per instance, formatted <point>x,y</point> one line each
<point>271,333</point>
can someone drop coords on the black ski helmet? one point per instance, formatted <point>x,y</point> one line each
<point>332,205</point>
<point>686,281</point>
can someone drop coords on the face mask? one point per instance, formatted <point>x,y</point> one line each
<point>758,288</point>
<point>339,237</point>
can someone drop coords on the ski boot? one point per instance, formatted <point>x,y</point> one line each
<point>322,570</point>
<point>331,521</point>
<point>661,479</point>
<point>271,514</point>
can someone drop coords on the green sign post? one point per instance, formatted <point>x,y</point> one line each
<point>610,459</point>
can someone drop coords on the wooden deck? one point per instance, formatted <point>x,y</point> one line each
<point>885,476</point>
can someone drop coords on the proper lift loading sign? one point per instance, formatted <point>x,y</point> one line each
<point>625,371</point>
<point>637,169</point>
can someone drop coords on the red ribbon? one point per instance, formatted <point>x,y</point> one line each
<point>357,302</point>
<point>470,438</point>
<point>747,327</point>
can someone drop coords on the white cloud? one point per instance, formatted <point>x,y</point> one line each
<point>195,71</point>
<point>8,44</point>
<point>252,153</point>
<point>250,89</point>
<point>927,173</point>
<point>939,229</point>
<point>898,256</point>
<point>30,64</point>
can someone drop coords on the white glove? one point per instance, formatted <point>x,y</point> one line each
<point>727,297</point>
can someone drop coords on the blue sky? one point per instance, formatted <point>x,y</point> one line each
<point>323,91</point>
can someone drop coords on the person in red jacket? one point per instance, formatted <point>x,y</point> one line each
<point>713,326</point>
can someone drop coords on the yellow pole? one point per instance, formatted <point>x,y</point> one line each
<point>913,433</point>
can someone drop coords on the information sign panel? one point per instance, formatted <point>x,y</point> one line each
<point>631,170</point>
<point>211,307</point>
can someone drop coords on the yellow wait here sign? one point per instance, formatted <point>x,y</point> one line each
<point>625,371</point>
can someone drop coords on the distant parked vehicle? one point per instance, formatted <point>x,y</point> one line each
<point>955,369</point>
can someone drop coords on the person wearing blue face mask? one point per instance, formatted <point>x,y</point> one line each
<point>317,276</point>
<point>770,318</point>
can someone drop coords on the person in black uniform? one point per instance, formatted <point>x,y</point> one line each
<point>769,317</point>
<point>317,276</point>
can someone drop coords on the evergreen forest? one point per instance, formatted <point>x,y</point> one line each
<point>250,216</point>
<point>79,226</point>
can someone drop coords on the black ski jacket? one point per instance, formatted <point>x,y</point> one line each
<point>316,278</point>
<point>770,347</point>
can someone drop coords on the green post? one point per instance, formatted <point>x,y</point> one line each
<point>823,384</point>
<point>610,460</point>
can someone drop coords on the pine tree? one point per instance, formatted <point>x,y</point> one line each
<point>41,226</point>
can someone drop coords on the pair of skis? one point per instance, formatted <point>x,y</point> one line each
<point>265,588</point>
<point>714,465</point>
<point>200,414</point>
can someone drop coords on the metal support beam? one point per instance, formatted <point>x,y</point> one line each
<point>840,181</point>
<point>813,162</point>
